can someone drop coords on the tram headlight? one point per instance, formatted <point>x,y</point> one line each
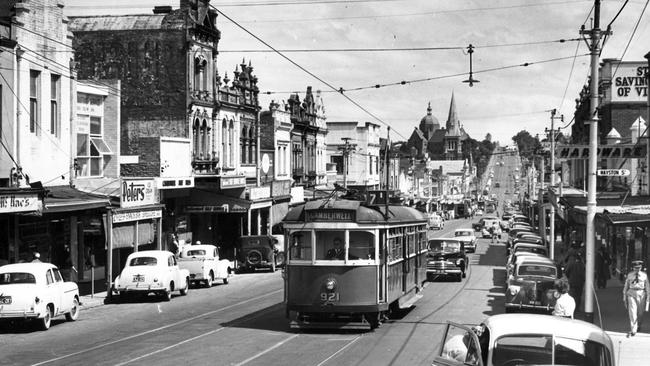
<point>330,284</point>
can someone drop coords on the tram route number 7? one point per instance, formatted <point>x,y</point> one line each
<point>329,296</point>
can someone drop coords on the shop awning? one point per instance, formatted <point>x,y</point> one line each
<point>67,199</point>
<point>204,201</point>
<point>624,218</point>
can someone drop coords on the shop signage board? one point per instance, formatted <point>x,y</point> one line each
<point>137,192</point>
<point>618,151</point>
<point>227,182</point>
<point>258,193</point>
<point>19,202</point>
<point>629,84</point>
<point>136,215</point>
<point>613,172</point>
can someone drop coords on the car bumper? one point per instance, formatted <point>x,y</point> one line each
<point>140,288</point>
<point>19,314</point>
<point>522,306</point>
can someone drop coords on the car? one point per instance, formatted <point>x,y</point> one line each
<point>478,212</point>
<point>37,292</point>
<point>530,285</point>
<point>151,271</point>
<point>526,339</point>
<point>514,232</point>
<point>497,185</point>
<point>204,264</point>
<point>259,251</point>
<point>468,237</point>
<point>436,222</point>
<point>447,257</point>
<point>514,257</point>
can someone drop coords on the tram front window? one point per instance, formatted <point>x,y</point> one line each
<point>330,245</point>
<point>362,245</point>
<point>300,246</point>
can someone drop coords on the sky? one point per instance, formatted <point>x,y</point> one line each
<point>432,37</point>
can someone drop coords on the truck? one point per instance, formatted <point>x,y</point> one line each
<point>204,264</point>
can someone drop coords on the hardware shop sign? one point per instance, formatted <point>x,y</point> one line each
<point>618,151</point>
<point>137,192</point>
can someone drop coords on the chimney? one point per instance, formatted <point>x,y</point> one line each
<point>166,9</point>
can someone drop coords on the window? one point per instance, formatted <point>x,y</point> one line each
<point>196,139</point>
<point>49,278</point>
<point>362,245</point>
<point>242,145</point>
<point>531,349</point>
<point>325,243</point>
<point>338,160</point>
<point>55,105</point>
<point>57,275</point>
<point>231,144</point>
<point>34,98</point>
<point>143,261</point>
<point>91,146</point>
<point>300,246</point>
<point>224,145</point>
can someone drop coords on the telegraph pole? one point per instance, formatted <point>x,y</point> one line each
<point>594,35</point>
<point>647,75</point>
<point>552,209</point>
<point>345,150</point>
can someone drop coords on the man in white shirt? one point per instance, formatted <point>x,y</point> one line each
<point>565,305</point>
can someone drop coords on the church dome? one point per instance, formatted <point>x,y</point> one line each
<point>429,123</point>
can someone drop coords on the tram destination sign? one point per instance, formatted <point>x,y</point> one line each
<point>618,151</point>
<point>613,172</point>
<point>329,215</point>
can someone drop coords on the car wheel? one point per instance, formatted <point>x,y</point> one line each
<point>46,321</point>
<point>186,289</point>
<point>210,280</point>
<point>464,275</point>
<point>225,280</point>
<point>74,311</point>
<point>167,295</point>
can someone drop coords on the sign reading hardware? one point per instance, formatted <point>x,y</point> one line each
<point>136,216</point>
<point>137,192</point>
<point>618,151</point>
<point>613,172</point>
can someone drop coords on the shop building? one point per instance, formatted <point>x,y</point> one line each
<point>357,160</point>
<point>308,139</point>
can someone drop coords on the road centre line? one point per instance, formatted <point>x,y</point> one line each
<point>157,329</point>
<point>266,351</point>
<point>170,347</point>
<point>339,351</point>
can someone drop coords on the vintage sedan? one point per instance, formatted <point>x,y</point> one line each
<point>525,339</point>
<point>152,271</point>
<point>36,291</point>
<point>447,257</point>
<point>530,285</point>
<point>466,235</point>
<point>204,264</point>
<point>259,251</point>
<point>436,221</point>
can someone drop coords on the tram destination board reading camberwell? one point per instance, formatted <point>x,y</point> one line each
<point>329,215</point>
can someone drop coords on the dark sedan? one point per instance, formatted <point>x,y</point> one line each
<point>447,257</point>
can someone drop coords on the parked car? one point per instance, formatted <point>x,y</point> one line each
<point>531,248</point>
<point>526,339</point>
<point>259,251</point>
<point>513,258</point>
<point>36,291</point>
<point>530,285</point>
<point>466,235</point>
<point>152,271</point>
<point>436,221</point>
<point>447,257</point>
<point>204,264</point>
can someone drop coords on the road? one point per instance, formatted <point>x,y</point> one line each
<point>243,323</point>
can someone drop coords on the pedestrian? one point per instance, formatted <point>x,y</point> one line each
<point>494,231</point>
<point>173,243</point>
<point>565,305</point>
<point>636,296</point>
<point>575,273</point>
<point>603,261</point>
<point>37,258</point>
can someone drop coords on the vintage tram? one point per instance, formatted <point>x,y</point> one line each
<point>381,267</point>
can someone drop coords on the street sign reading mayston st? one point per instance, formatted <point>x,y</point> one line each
<point>613,172</point>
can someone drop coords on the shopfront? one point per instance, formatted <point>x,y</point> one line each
<point>16,203</point>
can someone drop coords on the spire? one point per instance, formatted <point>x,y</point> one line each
<point>452,120</point>
<point>429,109</point>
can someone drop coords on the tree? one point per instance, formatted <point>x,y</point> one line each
<point>488,137</point>
<point>527,144</point>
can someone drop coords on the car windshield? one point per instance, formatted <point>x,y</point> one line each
<point>526,349</point>
<point>536,250</point>
<point>463,233</point>
<point>444,245</point>
<point>536,270</point>
<point>16,277</point>
<point>195,252</point>
<point>143,261</point>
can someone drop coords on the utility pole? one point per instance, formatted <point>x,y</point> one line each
<point>647,164</point>
<point>594,34</point>
<point>551,242</point>
<point>345,150</point>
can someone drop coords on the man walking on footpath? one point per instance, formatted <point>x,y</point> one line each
<point>636,296</point>
<point>575,273</point>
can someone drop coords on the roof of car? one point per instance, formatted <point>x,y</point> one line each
<point>151,253</point>
<point>26,267</point>
<point>531,259</point>
<point>465,229</point>
<point>527,244</point>
<point>511,324</point>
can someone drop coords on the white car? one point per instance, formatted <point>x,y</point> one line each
<point>204,264</point>
<point>152,271</point>
<point>467,236</point>
<point>436,222</point>
<point>37,291</point>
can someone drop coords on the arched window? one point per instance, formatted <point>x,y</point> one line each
<point>205,143</point>
<point>200,73</point>
<point>196,141</point>
<point>252,146</point>
<point>242,144</point>
<point>224,144</point>
<point>231,144</point>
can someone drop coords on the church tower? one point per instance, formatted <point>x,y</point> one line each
<point>452,140</point>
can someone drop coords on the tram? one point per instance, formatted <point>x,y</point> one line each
<point>380,268</point>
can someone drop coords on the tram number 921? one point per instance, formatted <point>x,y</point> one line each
<point>329,296</point>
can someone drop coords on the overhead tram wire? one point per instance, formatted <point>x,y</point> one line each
<point>405,82</point>
<point>307,71</point>
<point>636,26</point>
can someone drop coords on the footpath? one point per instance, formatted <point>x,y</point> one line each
<point>611,315</point>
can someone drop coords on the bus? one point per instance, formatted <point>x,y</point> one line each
<point>379,268</point>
